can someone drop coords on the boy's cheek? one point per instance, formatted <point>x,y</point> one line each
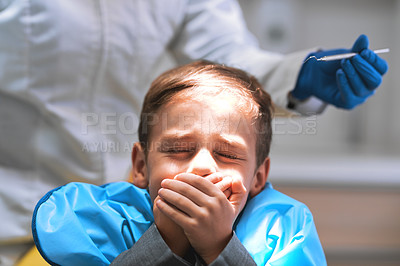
<point>153,191</point>
<point>155,185</point>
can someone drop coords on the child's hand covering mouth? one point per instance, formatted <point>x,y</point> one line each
<point>233,188</point>
<point>201,208</point>
<point>222,181</point>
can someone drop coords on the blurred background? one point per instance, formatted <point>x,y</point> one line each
<point>344,165</point>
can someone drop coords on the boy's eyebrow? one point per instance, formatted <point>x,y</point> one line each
<point>234,141</point>
<point>176,137</point>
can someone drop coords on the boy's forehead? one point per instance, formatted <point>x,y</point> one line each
<point>219,98</point>
<point>206,114</point>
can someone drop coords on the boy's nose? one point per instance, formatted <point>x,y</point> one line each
<point>202,164</point>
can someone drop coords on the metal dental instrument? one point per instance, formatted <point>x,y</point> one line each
<point>343,56</point>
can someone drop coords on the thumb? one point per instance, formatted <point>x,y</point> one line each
<point>360,44</point>
<point>238,192</point>
<point>224,184</point>
<point>237,186</point>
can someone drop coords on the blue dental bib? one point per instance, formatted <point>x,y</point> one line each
<point>84,224</point>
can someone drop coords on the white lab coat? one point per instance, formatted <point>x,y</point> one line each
<point>73,75</point>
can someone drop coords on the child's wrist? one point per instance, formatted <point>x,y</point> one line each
<point>172,234</point>
<point>175,240</point>
<point>209,257</point>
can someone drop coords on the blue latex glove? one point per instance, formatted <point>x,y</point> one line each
<point>346,83</point>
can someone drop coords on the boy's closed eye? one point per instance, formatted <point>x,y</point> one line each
<point>188,152</point>
<point>178,152</point>
<point>228,155</point>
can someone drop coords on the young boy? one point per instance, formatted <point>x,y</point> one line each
<point>200,194</point>
<point>205,135</point>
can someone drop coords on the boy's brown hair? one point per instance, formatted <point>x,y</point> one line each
<point>205,73</point>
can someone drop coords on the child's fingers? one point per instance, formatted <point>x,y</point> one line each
<point>224,184</point>
<point>172,212</point>
<point>179,201</point>
<point>238,194</point>
<point>237,186</point>
<point>188,190</point>
<point>198,182</point>
<point>222,181</point>
<point>215,177</point>
<point>228,192</point>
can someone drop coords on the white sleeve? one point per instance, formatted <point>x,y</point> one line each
<point>215,30</point>
<point>307,107</point>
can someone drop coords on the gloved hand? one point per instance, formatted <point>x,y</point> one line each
<point>346,83</point>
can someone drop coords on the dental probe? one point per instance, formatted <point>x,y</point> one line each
<point>343,56</point>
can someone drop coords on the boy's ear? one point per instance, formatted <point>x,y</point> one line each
<point>260,178</point>
<point>139,170</point>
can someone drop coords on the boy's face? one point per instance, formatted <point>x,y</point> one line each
<point>202,135</point>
